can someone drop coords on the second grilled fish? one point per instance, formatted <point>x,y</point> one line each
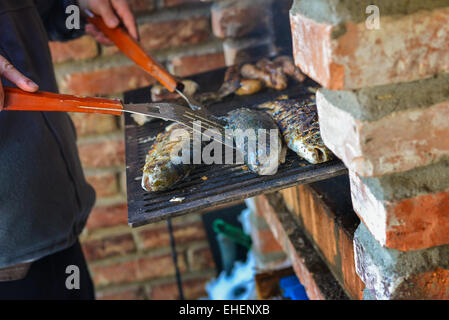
<point>263,161</point>
<point>161,171</point>
<point>298,121</point>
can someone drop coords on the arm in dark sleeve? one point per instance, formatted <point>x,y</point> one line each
<point>55,17</point>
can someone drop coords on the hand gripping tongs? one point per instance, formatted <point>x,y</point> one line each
<point>16,99</point>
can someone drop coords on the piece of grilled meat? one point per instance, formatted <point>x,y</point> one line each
<point>263,161</point>
<point>231,84</point>
<point>288,67</point>
<point>161,171</point>
<point>249,86</point>
<point>160,93</point>
<point>266,71</point>
<point>298,121</point>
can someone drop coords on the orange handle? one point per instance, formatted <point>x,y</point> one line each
<point>134,51</point>
<point>17,99</point>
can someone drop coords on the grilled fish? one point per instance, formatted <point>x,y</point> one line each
<point>263,161</point>
<point>161,170</point>
<point>298,121</point>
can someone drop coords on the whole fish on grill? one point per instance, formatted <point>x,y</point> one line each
<point>161,170</point>
<point>263,161</point>
<point>298,121</point>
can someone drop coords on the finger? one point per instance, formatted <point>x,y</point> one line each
<point>108,15</point>
<point>125,14</point>
<point>8,71</point>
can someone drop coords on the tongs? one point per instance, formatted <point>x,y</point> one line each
<point>16,99</point>
<point>198,121</point>
<point>132,49</point>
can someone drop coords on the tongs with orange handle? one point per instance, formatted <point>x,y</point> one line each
<point>132,49</point>
<point>19,100</point>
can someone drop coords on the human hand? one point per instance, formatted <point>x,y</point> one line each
<point>112,11</point>
<point>8,71</point>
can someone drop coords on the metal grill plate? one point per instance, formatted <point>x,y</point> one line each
<point>225,183</point>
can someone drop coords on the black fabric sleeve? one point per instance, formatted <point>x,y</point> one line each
<point>55,21</point>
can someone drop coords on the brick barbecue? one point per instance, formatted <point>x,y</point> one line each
<point>379,232</point>
<point>182,36</point>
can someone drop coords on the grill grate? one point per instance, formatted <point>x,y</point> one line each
<point>225,183</point>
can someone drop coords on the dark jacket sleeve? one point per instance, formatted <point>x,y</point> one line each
<point>54,16</point>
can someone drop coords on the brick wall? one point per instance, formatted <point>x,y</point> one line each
<point>187,36</point>
<point>383,111</point>
<point>269,254</point>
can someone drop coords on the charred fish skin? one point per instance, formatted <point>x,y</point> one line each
<point>249,119</point>
<point>298,121</point>
<point>161,172</point>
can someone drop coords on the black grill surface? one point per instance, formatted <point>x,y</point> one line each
<point>224,183</point>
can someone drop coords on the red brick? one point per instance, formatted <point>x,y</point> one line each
<point>317,214</point>
<point>141,5</point>
<point>192,289</point>
<point>200,258</point>
<point>397,142</point>
<point>189,65</point>
<point>159,266</point>
<point>351,280</point>
<point>406,224</point>
<point>291,198</point>
<point>83,48</point>
<point>115,273</point>
<point>168,34</point>
<point>102,154</point>
<point>105,184</point>
<point>108,246</point>
<point>301,270</point>
<point>318,223</point>
<point>91,123</point>
<point>136,270</point>
<point>405,48</point>
<point>109,216</point>
<point>393,275</point>
<point>185,233</point>
<point>106,81</point>
<point>430,285</point>
<point>239,19</point>
<point>131,294</point>
<point>264,241</point>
